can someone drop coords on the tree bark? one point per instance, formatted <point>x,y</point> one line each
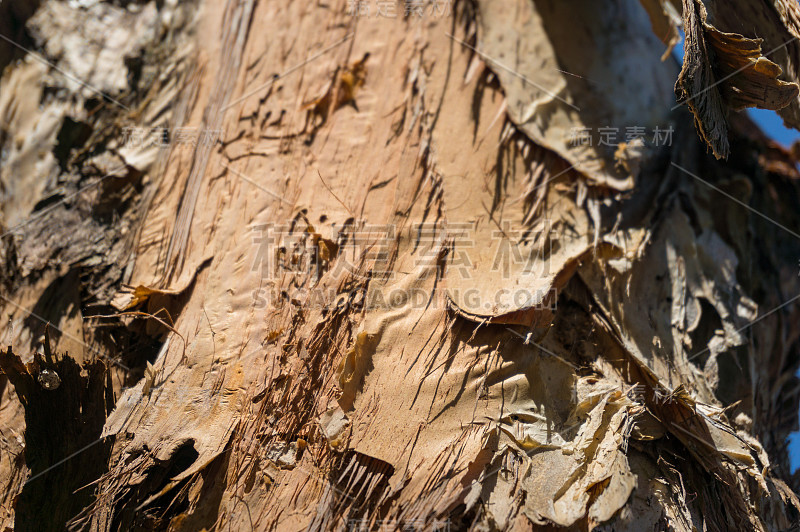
<point>412,265</point>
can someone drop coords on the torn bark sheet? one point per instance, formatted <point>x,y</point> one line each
<point>724,71</point>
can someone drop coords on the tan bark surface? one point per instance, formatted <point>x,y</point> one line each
<point>360,274</point>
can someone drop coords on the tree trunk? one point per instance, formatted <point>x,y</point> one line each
<point>414,265</point>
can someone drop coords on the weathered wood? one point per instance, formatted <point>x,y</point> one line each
<point>346,272</point>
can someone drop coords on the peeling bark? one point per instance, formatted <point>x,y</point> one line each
<point>64,415</point>
<point>358,273</point>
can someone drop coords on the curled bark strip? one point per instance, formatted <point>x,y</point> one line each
<point>725,70</point>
